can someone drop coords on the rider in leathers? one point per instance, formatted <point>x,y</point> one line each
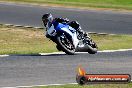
<point>51,23</point>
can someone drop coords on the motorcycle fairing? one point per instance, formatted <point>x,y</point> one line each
<point>71,31</point>
<point>64,28</point>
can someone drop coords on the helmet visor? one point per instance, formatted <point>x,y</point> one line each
<point>45,21</point>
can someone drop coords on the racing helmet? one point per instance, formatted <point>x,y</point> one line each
<point>46,18</point>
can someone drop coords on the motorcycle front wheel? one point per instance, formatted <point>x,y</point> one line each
<point>65,44</point>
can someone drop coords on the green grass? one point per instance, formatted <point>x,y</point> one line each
<point>24,41</point>
<point>92,86</point>
<point>111,42</point>
<point>116,4</point>
<point>32,41</point>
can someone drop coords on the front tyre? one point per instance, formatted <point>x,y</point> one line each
<point>66,45</point>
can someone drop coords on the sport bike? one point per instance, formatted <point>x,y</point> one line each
<point>69,40</point>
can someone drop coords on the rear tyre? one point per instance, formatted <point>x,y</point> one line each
<point>92,48</point>
<point>65,45</point>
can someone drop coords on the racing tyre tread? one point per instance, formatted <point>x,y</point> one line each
<point>63,48</point>
<point>92,49</point>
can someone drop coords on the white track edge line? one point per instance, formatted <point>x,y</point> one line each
<point>104,51</point>
<point>41,85</point>
<point>116,50</point>
<point>4,55</point>
<point>119,50</point>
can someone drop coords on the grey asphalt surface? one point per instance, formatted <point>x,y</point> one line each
<point>29,70</point>
<point>59,68</point>
<point>90,20</point>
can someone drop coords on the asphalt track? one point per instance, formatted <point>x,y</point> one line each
<point>26,70</point>
<point>20,70</point>
<point>90,20</point>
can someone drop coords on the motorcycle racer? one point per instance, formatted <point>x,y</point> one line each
<point>68,36</point>
<point>50,22</point>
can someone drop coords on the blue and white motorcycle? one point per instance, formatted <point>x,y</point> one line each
<point>69,40</point>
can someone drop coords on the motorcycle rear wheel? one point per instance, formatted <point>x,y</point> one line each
<point>92,48</point>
